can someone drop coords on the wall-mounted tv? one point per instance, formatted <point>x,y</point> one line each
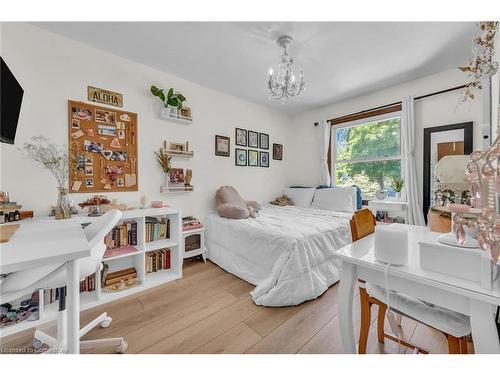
<point>11,97</point>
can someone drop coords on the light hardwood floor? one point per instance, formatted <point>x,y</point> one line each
<point>210,311</point>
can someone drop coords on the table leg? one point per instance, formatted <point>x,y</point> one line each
<point>346,290</point>
<point>73,306</point>
<point>484,330</point>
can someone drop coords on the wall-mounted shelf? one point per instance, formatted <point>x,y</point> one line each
<point>177,118</point>
<point>180,188</point>
<point>177,154</point>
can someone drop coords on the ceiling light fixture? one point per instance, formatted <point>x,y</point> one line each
<point>284,84</point>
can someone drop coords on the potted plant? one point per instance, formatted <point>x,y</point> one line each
<point>397,184</point>
<point>164,162</point>
<point>55,159</point>
<point>172,101</point>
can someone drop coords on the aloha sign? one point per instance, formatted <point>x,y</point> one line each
<point>95,94</point>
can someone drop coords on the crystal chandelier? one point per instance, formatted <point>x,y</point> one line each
<point>284,84</point>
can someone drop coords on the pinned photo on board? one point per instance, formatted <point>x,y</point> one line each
<point>93,146</point>
<point>120,182</point>
<point>119,156</point>
<point>89,182</point>
<point>81,114</point>
<point>107,117</point>
<point>89,159</point>
<point>80,162</point>
<point>89,170</point>
<point>75,123</point>
<point>109,130</point>
<point>125,117</point>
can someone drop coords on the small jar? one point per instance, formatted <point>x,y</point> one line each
<point>11,216</point>
<point>2,217</point>
<point>17,215</point>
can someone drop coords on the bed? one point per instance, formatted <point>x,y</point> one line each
<point>286,252</point>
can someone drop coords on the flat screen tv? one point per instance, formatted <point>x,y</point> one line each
<point>11,97</point>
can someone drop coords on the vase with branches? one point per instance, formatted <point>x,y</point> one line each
<point>164,162</point>
<point>54,158</point>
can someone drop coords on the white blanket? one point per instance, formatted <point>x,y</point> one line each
<point>287,252</point>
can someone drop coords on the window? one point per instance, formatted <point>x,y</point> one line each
<point>367,153</point>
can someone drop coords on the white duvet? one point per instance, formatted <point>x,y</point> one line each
<point>287,252</point>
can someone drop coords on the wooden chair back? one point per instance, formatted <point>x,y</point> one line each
<point>362,224</point>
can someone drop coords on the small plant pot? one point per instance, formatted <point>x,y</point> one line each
<point>398,195</point>
<point>168,112</point>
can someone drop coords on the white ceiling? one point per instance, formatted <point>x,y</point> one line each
<point>340,59</point>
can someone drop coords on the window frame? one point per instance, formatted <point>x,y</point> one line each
<point>359,122</point>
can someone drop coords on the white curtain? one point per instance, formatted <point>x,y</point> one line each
<point>415,215</point>
<point>325,144</point>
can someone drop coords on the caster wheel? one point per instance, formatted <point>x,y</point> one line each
<point>120,349</point>
<point>106,323</point>
<point>37,344</point>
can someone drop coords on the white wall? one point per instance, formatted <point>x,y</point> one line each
<point>429,112</point>
<point>53,69</point>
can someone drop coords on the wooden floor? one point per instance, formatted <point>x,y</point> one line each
<point>210,311</point>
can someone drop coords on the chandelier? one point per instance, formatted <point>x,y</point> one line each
<point>284,83</point>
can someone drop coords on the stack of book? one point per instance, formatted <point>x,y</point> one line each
<point>190,223</point>
<point>157,229</point>
<point>122,235</point>
<point>112,278</point>
<point>157,260</point>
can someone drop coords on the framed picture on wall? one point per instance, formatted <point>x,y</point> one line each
<point>277,151</point>
<point>222,146</point>
<point>264,159</point>
<point>253,139</point>
<point>240,157</point>
<point>253,158</point>
<point>264,141</point>
<point>441,141</point>
<point>240,137</point>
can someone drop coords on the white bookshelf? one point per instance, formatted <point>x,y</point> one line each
<point>100,296</point>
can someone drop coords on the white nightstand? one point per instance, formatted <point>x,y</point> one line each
<point>194,243</point>
<point>390,206</point>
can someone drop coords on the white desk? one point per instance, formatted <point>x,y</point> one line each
<point>455,294</point>
<point>37,244</point>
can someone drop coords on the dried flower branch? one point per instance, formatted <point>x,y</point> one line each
<point>52,156</point>
<point>482,63</point>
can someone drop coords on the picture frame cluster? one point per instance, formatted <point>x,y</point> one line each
<point>254,156</point>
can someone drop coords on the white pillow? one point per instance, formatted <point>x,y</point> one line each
<point>301,197</point>
<point>337,198</point>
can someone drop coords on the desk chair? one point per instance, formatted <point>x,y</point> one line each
<point>21,283</point>
<point>455,326</point>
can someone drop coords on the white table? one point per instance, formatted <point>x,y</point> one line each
<point>466,297</point>
<point>38,243</point>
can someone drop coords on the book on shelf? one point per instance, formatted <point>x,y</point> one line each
<point>157,229</point>
<point>157,260</point>
<point>122,235</point>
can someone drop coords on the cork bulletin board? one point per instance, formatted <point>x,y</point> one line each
<point>102,149</point>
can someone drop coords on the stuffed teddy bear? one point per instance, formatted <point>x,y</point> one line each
<point>230,204</point>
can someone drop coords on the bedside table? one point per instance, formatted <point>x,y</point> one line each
<point>194,243</point>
